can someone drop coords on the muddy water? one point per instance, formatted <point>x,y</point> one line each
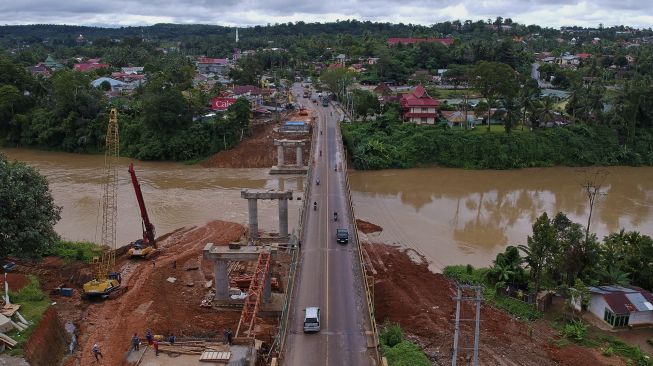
<point>175,194</point>
<point>457,216</point>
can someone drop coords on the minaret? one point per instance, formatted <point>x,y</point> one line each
<point>236,35</point>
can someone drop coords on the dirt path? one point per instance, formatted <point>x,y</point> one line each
<point>151,302</point>
<point>408,293</point>
<point>253,152</point>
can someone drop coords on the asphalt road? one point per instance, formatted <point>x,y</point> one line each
<point>329,274</point>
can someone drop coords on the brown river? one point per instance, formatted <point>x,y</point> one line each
<point>450,216</point>
<point>455,216</point>
<point>176,195</point>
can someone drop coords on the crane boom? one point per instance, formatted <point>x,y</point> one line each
<point>148,227</point>
<point>106,281</point>
<point>110,195</point>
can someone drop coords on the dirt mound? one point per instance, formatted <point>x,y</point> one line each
<point>258,151</point>
<point>407,293</point>
<point>47,344</point>
<point>151,302</point>
<point>16,281</point>
<point>367,227</point>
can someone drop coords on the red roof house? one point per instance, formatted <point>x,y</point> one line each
<point>86,67</point>
<point>419,107</point>
<point>406,41</point>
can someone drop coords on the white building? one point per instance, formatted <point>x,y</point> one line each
<point>620,306</point>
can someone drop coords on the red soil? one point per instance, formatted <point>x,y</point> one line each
<point>151,302</point>
<point>421,302</point>
<point>16,281</point>
<point>367,227</point>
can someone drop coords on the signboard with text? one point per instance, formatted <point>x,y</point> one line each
<point>221,104</point>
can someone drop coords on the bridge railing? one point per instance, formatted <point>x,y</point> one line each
<point>368,280</point>
<point>294,246</point>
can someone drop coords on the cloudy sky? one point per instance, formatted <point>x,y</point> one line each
<point>554,13</point>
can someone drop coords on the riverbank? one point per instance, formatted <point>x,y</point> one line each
<point>388,144</point>
<point>420,301</point>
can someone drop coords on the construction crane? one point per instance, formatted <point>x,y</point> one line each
<point>107,281</point>
<point>142,248</point>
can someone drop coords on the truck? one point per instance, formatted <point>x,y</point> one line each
<point>342,236</point>
<point>325,101</point>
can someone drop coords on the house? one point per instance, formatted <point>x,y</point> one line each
<point>135,70</point>
<point>115,84</point>
<point>620,306</point>
<point>382,89</point>
<point>341,58</point>
<point>90,65</point>
<point>52,64</point>
<point>207,65</point>
<point>39,69</point>
<point>80,40</point>
<point>568,60</point>
<point>457,118</point>
<point>247,90</point>
<point>372,60</point>
<point>407,41</point>
<point>419,107</point>
<point>583,56</point>
<point>356,68</point>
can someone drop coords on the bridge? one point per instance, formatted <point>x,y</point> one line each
<point>329,275</point>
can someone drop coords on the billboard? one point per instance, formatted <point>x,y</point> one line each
<point>221,104</point>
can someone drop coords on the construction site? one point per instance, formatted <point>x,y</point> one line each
<point>213,292</point>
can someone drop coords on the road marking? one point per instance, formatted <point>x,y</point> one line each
<point>326,147</point>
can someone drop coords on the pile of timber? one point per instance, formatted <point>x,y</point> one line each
<point>192,347</point>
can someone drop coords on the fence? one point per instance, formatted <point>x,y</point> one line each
<point>368,281</point>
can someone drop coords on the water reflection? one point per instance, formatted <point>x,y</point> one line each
<point>460,216</point>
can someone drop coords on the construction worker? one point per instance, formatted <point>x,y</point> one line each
<point>148,336</point>
<point>136,342</point>
<point>96,352</point>
<point>155,344</point>
<point>172,339</point>
<point>229,336</point>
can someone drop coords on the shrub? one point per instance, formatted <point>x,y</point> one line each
<point>391,334</point>
<point>70,250</point>
<point>405,354</point>
<point>576,331</point>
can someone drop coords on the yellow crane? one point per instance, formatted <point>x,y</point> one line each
<point>107,281</point>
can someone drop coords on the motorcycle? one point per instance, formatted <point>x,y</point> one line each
<point>335,216</point>
<point>317,181</point>
<point>314,206</point>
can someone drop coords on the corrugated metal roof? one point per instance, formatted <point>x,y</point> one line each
<point>638,301</point>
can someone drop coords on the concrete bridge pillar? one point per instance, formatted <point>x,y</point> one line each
<point>221,278</point>
<point>300,160</point>
<point>283,217</point>
<point>253,218</point>
<point>280,157</point>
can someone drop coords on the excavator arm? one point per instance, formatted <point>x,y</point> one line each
<point>148,227</point>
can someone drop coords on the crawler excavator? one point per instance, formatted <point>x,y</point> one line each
<point>106,281</point>
<point>142,248</point>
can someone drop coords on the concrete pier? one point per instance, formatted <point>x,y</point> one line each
<point>282,167</point>
<point>222,255</point>
<point>253,196</point>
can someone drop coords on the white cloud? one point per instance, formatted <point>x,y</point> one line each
<point>553,13</point>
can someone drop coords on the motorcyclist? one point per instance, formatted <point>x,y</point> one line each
<point>314,205</point>
<point>320,132</point>
<point>317,181</point>
<point>335,216</point>
<point>320,152</point>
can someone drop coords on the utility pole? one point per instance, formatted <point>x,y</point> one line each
<point>460,298</point>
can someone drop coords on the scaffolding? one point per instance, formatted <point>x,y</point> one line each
<point>253,300</point>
